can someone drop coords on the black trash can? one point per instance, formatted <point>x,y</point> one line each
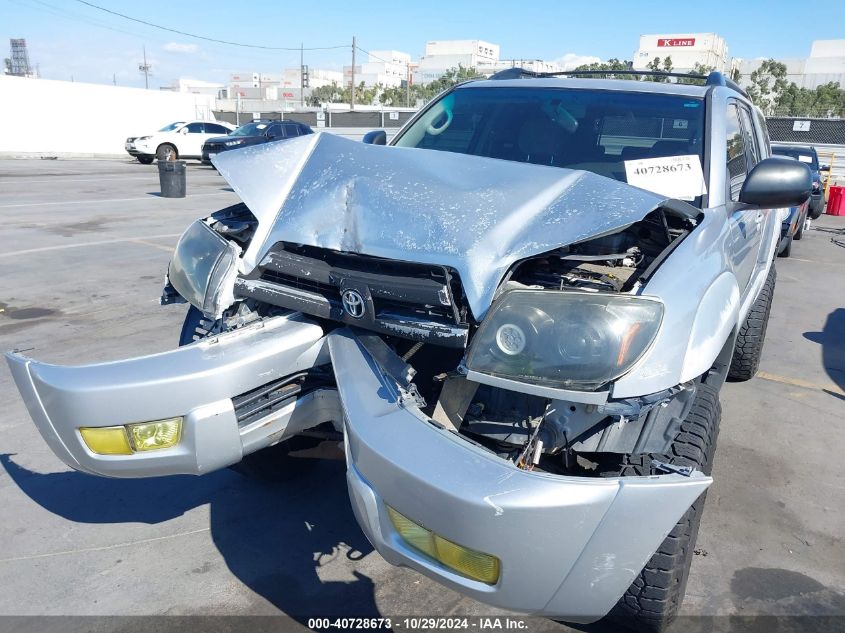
<point>171,175</point>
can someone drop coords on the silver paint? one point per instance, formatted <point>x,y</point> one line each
<point>478,215</point>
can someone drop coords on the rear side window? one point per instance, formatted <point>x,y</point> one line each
<point>736,153</point>
<point>213,128</point>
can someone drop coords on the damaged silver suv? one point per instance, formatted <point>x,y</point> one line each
<point>517,317</point>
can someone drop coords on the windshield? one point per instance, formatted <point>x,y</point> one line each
<point>172,126</point>
<point>250,129</point>
<point>805,156</point>
<point>597,131</point>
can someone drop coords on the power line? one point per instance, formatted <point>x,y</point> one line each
<point>208,39</point>
<point>373,56</point>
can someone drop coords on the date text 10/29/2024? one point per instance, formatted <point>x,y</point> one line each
<point>479,623</point>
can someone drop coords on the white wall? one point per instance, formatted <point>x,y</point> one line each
<point>62,118</point>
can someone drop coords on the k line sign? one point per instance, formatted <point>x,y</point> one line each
<point>687,41</point>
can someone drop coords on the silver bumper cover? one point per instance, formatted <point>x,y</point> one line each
<point>569,546</point>
<point>196,381</point>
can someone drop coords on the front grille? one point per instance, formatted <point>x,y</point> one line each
<point>419,302</point>
<point>214,148</point>
<point>260,402</point>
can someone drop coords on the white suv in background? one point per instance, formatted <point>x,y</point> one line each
<point>182,139</point>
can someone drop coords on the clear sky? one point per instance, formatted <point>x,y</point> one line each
<point>67,38</point>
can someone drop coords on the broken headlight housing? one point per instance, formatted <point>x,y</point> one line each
<point>203,269</point>
<point>564,339</point>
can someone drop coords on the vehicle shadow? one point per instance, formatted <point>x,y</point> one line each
<point>273,537</point>
<point>832,340</point>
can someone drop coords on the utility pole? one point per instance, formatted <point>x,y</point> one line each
<point>145,68</point>
<point>114,79</point>
<point>352,98</point>
<point>408,86</point>
<point>301,75</point>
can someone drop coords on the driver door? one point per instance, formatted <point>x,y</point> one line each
<point>745,224</point>
<point>192,139</point>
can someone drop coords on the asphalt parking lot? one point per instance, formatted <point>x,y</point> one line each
<point>85,247</point>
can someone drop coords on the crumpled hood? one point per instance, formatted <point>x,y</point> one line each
<point>476,215</point>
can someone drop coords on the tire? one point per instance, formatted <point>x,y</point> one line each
<point>271,464</point>
<point>166,151</point>
<point>800,232</point>
<point>787,250</point>
<point>653,599</point>
<point>145,160</point>
<point>752,334</point>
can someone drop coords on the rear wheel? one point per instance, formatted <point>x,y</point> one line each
<point>787,250</point>
<point>800,232</point>
<point>145,160</point>
<point>653,599</point>
<point>166,151</point>
<point>274,463</point>
<point>752,334</point>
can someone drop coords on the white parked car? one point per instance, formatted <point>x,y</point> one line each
<point>182,139</point>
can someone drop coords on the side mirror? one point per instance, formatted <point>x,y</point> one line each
<point>376,137</point>
<point>777,182</point>
<point>824,168</point>
<point>183,130</point>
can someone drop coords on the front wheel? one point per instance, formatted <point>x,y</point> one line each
<point>653,599</point>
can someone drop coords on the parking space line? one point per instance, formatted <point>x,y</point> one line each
<point>104,547</point>
<point>47,204</point>
<point>798,382</point>
<point>161,247</point>
<point>60,247</point>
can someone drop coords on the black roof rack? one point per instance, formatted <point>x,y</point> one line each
<point>713,79</point>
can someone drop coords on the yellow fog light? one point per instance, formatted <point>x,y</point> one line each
<point>467,562</point>
<point>108,440</point>
<point>152,436</point>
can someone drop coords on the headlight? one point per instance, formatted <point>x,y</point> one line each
<point>568,340</point>
<point>203,268</point>
<point>234,142</point>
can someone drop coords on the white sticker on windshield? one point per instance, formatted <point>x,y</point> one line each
<point>671,176</point>
<point>805,159</point>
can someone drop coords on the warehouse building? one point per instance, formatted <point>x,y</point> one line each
<point>685,49</point>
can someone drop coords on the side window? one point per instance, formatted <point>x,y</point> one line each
<point>291,131</point>
<point>736,166</point>
<point>764,132</point>
<point>751,143</point>
<point>194,128</point>
<point>276,131</point>
<point>213,128</point>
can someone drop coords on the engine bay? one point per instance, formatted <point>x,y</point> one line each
<point>533,431</point>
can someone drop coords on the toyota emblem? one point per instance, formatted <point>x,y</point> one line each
<point>353,303</point>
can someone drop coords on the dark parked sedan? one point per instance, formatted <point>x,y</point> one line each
<point>253,133</point>
<point>807,155</point>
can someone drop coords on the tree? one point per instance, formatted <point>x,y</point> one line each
<point>654,66</point>
<point>768,84</point>
<point>610,64</point>
<point>697,69</point>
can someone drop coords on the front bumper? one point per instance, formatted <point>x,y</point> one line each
<point>569,546</point>
<point>197,381</point>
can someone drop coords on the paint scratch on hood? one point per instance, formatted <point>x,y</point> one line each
<point>476,215</point>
